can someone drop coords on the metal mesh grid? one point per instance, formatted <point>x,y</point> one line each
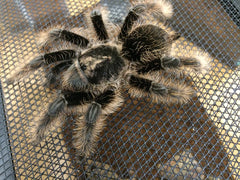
<point>199,140</point>
<point>6,167</point>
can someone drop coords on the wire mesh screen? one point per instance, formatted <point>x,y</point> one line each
<point>142,140</point>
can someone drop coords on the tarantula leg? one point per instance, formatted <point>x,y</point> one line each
<point>39,61</point>
<point>133,16</point>
<point>159,64</point>
<point>91,125</point>
<point>64,61</point>
<point>47,120</point>
<point>162,91</point>
<point>57,56</point>
<point>175,36</point>
<point>52,57</point>
<point>199,64</point>
<point>77,98</point>
<point>44,124</point>
<point>162,10</point>
<point>98,25</point>
<point>62,34</point>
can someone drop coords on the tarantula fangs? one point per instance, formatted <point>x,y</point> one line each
<point>90,68</point>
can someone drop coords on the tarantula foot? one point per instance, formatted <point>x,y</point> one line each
<point>93,113</point>
<point>170,62</point>
<point>36,62</point>
<point>55,33</point>
<point>37,135</point>
<point>95,12</point>
<point>57,106</point>
<point>138,9</point>
<point>175,93</point>
<point>159,89</point>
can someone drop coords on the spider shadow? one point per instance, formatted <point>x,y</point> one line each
<point>142,136</point>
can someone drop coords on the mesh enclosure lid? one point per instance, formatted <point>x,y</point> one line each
<point>142,140</point>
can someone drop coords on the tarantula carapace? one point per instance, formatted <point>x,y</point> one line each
<point>89,68</point>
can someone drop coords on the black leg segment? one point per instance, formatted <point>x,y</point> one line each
<point>43,125</point>
<point>98,25</point>
<point>140,83</point>
<point>159,64</point>
<point>148,86</point>
<point>162,90</point>
<point>105,98</point>
<point>57,56</point>
<point>95,109</point>
<point>46,59</point>
<point>129,21</point>
<point>78,98</point>
<point>70,37</point>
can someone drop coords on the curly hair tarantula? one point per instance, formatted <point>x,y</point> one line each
<point>89,68</point>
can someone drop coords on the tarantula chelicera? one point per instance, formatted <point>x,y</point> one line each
<point>89,68</point>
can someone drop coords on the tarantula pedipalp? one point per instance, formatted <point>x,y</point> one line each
<point>91,71</point>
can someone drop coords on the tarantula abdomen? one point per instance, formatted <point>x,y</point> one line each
<point>145,39</point>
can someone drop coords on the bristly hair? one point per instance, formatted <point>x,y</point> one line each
<point>25,69</point>
<point>90,125</point>
<point>160,89</point>
<point>142,40</point>
<point>85,137</point>
<point>194,62</point>
<point>58,36</point>
<point>90,67</point>
<point>44,123</point>
<point>160,9</point>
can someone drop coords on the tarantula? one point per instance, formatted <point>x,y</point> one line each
<point>89,68</point>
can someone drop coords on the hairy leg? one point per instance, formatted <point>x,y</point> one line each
<point>99,26</point>
<point>160,90</point>
<point>65,35</point>
<point>47,120</point>
<point>161,10</point>
<point>197,64</point>
<point>131,18</point>
<point>57,111</point>
<point>46,59</point>
<point>90,125</point>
